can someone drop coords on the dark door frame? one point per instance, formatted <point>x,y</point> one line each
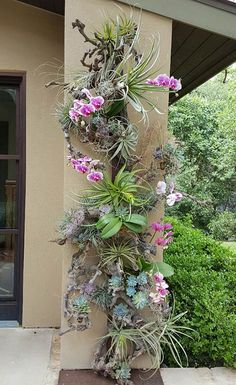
<point>18,79</point>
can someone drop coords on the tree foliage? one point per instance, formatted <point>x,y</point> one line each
<point>204,124</point>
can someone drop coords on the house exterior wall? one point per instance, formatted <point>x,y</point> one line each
<point>77,348</point>
<point>29,38</point>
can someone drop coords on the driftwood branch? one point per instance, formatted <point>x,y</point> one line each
<point>81,27</point>
<point>196,200</point>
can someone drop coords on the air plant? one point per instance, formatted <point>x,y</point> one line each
<point>123,190</point>
<point>122,251</point>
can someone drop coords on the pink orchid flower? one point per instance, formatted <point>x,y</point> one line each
<point>163,292</point>
<point>95,176</point>
<point>156,298</point>
<point>160,241</point>
<point>96,101</point>
<point>175,84</point>
<point>82,168</point>
<point>168,226</point>
<point>163,80</point>
<point>158,277</point>
<point>157,226</point>
<point>85,159</point>
<point>161,187</point>
<point>86,109</point>
<point>78,104</point>
<point>74,115</point>
<point>152,82</point>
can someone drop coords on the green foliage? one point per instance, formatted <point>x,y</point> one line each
<point>124,190</point>
<point>125,144</point>
<point>154,267</point>
<point>113,29</point>
<point>223,226</point>
<point>81,305</point>
<point>135,80</point>
<point>102,297</point>
<point>204,123</point>
<point>153,335</point>
<point>204,284</point>
<point>120,250</point>
<point>110,224</point>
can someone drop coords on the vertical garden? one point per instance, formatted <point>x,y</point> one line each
<point>109,221</point>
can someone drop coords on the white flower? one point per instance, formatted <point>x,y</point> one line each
<point>161,187</point>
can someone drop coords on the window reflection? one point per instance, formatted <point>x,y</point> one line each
<point>7,194</point>
<point>7,120</point>
<point>7,254</point>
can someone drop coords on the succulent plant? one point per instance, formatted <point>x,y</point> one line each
<point>130,291</point>
<point>132,281</point>
<point>123,372</point>
<point>140,300</point>
<point>115,281</point>
<point>80,304</point>
<point>120,311</point>
<point>142,278</point>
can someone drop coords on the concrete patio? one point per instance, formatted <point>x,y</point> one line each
<point>29,356</point>
<point>32,357</point>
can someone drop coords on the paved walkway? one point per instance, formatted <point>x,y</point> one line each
<point>28,356</point>
<point>32,357</point>
<point>200,376</point>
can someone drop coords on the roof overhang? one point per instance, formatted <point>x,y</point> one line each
<point>212,15</point>
<point>203,35</point>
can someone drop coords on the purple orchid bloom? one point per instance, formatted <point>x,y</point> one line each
<point>85,159</point>
<point>78,104</point>
<point>95,176</point>
<point>175,84</point>
<point>160,241</point>
<point>74,115</point>
<point>152,82</point>
<point>86,92</point>
<point>168,226</point>
<point>97,102</point>
<point>86,109</point>
<point>82,168</point>
<point>163,80</point>
<point>158,277</point>
<point>157,226</point>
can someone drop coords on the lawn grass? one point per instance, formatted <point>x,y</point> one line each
<point>230,245</point>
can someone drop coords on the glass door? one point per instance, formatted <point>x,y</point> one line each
<point>12,165</point>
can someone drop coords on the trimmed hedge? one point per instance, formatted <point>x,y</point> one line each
<point>204,285</point>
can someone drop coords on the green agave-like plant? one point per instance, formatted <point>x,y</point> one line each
<point>123,190</point>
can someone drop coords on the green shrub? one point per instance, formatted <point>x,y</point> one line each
<point>223,227</point>
<point>204,285</point>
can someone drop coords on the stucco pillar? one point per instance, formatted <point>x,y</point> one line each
<point>77,348</point>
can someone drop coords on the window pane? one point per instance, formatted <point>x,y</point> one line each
<point>7,256</point>
<point>7,193</point>
<point>7,120</point>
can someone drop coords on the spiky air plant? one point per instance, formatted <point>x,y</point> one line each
<point>122,251</point>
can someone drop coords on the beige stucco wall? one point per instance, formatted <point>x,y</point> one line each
<point>77,348</point>
<point>30,37</point>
